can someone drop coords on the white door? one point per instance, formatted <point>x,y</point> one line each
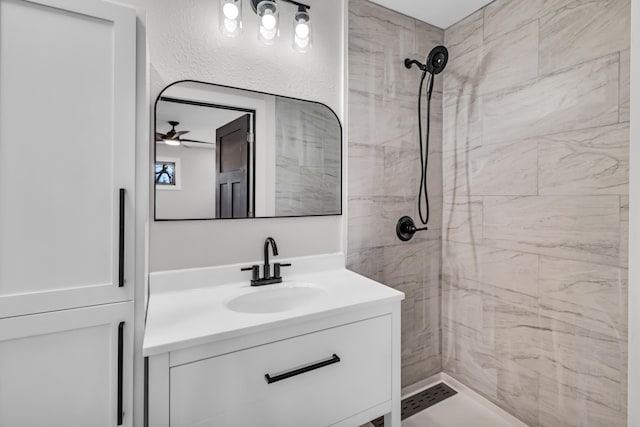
<point>62,368</point>
<point>67,129</point>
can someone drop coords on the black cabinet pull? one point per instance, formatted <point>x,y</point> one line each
<point>121,241</point>
<point>120,370</point>
<point>330,361</point>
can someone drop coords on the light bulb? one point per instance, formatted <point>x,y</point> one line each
<point>174,142</point>
<point>230,17</point>
<point>230,11</point>
<point>302,30</point>
<point>302,43</point>
<point>231,25</point>
<point>268,32</point>
<point>268,35</point>
<point>268,20</point>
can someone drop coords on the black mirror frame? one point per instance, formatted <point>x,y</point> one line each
<point>152,137</point>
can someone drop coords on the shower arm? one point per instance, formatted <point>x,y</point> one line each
<point>411,62</point>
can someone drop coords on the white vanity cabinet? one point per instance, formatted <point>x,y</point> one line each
<point>341,376</point>
<point>336,373</point>
<point>333,360</point>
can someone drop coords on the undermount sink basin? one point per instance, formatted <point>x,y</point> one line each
<point>277,298</point>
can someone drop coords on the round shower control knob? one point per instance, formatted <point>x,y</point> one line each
<point>406,228</point>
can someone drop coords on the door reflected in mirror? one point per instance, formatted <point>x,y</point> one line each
<point>223,153</point>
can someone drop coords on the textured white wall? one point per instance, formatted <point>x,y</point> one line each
<point>184,43</point>
<point>197,180</point>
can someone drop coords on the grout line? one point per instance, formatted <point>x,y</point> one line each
<point>489,246</point>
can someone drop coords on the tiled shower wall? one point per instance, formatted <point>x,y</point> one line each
<point>384,167</point>
<point>308,173</point>
<point>536,165</point>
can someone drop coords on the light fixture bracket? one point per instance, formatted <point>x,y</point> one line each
<point>301,6</point>
<point>254,5</point>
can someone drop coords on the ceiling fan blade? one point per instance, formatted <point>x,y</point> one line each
<point>181,132</point>
<point>196,141</point>
<point>160,136</point>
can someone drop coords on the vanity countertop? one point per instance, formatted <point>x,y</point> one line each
<point>189,307</point>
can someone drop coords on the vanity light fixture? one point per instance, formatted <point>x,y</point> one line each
<point>268,12</point>
<point>269,31</point>
<point>230,17</point>
<point>302,30</point>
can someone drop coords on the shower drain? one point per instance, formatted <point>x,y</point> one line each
<point>421,401</point>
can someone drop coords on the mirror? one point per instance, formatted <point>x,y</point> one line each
<point>223,153</point>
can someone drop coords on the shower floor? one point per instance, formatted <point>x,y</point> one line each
<point>464,409</point>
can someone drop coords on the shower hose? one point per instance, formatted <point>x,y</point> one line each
<point>424,148</point>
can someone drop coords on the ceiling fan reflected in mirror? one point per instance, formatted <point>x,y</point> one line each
<point>173,136</point>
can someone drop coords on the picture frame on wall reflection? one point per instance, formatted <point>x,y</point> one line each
<point>167,174</point>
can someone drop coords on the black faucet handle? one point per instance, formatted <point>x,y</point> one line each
<point>276,269</point>
<point>255,271</point>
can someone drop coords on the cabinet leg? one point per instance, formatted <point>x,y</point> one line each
<point>392,419</point>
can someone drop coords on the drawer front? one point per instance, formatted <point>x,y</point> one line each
<point>231,390</point>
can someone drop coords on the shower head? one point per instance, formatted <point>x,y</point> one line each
<point>437,60</point>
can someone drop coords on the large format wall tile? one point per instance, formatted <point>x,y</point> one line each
<point>581,377</point>
<point>366,170</point>
<point>510,59</point>
<point>364,218</point>
<point>493,170</point>
<point>465,36</point>
<point>584,31</point>
<point>400,171</point>
<point>366,262</point>
<point>624,231</point>
<point>462,219</point>
<point>409,268</point>
<point>503,16</point>
<point>625,89</point>
<point>535,214</point>
<point>580,97</point>
<point>462,121</point>
<point>384,173</point>
<point>587,296</point>
<point>376,120</point>
<point>378,39</point>
<point>498,273</point>
<point>578,227</point>
<point>590,161</point>
<point>517,340</point>
<point>470,356</point>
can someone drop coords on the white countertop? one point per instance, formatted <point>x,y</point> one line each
<point>188,307</point>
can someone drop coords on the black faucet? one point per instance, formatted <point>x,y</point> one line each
<point>266,269</point>
<point>267,278</point>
